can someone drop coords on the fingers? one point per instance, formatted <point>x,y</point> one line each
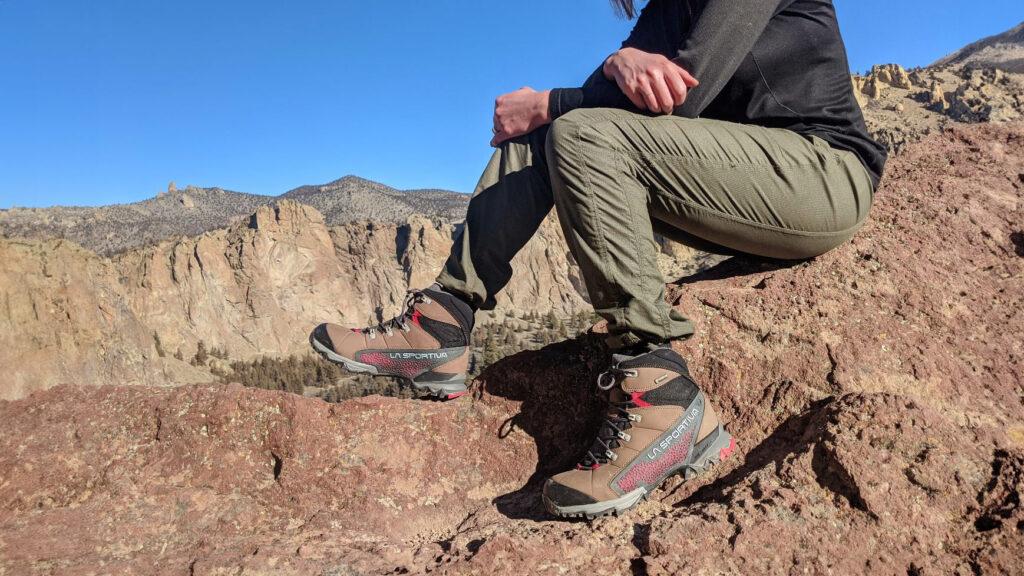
<point>636,96</point>
<point>663,95</point>
<point>677,86</point>
<point>650,97</point>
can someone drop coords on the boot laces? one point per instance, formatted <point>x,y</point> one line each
<point>400,322</point>
<point>618,419</point>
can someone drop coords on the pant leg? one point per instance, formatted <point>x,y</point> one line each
<point>763,191</point>
<point>508,205</point>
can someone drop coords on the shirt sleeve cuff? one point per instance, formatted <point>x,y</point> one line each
<point>563,100</point>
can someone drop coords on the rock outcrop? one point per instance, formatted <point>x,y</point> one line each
<point>874,391</point>
<point>902,107</point>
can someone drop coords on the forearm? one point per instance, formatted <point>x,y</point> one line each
<point>597,92</point>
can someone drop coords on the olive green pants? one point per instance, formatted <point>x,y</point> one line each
<point>616,178</point>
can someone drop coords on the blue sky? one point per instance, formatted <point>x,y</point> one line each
<point>106,101</point>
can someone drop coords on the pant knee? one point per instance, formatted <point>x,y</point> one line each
<point>561,142</point>
<point>570,141</point>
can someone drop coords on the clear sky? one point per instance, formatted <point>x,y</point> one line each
<point>106,101</point>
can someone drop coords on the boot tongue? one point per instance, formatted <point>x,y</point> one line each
<point>616,394</point>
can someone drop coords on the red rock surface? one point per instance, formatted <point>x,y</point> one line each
<point>876,394</point>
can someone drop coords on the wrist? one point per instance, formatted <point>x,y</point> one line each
<point>608,67</point>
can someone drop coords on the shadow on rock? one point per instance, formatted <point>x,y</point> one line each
<point>1018,243</point>
<point>740,265</point>
<point>793,435</point>
<point>558,409</point>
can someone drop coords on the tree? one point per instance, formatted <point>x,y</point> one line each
<point>561,330</point>
<point>491,352</point>
<point>551,319</point>
<point>201,354</point>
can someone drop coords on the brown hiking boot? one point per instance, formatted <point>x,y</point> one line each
<point>427,344</point>
<point>658,424</point>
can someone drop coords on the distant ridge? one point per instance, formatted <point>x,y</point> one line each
<point>1004,51</point>
<point>352,198</point>
<point>113,229</point>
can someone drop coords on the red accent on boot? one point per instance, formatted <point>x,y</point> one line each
<point>357,330</point>
<point>456,395</point>
<point>416,317</point>
<point>724,452</point>
<point>637,398</point>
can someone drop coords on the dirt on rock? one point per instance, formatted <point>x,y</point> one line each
<point>875,393</point>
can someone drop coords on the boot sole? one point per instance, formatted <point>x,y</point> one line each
<point>445,390</point>
<point>716,453</point>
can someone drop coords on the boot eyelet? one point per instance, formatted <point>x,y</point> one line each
<point>390,333</point>
<point>624,436</point>
<point>632,373</point>
<point>635,417</point>
<point>406,328</point>
<point>427,300</point>
<point>611,455</point>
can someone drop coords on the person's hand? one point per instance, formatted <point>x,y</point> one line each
<point>519,112</point>
<point>651,81</point>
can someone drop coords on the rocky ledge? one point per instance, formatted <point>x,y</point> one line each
<point>875,393</point>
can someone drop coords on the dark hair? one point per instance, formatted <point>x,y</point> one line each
<point>624,8</point>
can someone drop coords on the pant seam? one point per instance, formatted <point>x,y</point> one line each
<point>596,222</point>
<point>705,161</point>
<point>638,280</point>
<point>751,223</point>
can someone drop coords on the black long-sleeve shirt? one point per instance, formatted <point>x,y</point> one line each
<point>774,63</point>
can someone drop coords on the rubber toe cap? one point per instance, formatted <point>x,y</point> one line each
<point>320,335</point>
<point>562,495</point>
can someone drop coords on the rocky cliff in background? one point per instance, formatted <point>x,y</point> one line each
<point>255,289</point>
<point>875,393</point>
<point>190,211</point>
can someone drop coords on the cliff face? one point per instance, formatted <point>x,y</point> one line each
<point>875,393</point>
<point>255,289</point>
<point>260,288</point>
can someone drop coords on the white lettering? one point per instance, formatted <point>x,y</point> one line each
<point>671,438</point>
<point>417,355</point>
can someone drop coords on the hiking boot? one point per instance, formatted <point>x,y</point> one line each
<point>427,344</point>
<point>658,424</point>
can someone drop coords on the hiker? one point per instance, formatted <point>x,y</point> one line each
<point>727,125</point>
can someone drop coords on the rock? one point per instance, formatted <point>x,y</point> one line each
<point>892,74</point>
<point>874,392</point>
<point>937,98</point>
